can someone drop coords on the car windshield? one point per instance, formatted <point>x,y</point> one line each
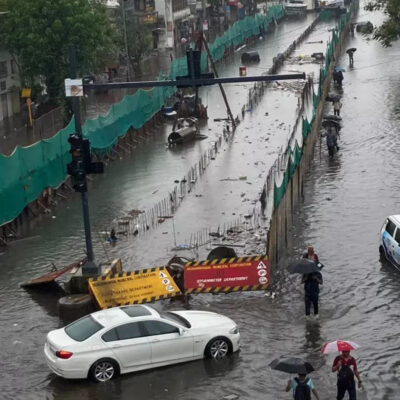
<point>171,316</point>
<point>83,328</point>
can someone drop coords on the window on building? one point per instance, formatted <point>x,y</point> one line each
<point>13,66</point>
<point>3,85</point>
<point>178,5</point>
<point>139,5</point>
<point>3,69</point>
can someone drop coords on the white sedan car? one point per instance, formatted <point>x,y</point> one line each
<point>132,338</point>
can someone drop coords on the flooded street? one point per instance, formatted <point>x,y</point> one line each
<point>346,201</point>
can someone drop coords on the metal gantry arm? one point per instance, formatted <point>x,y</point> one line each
<point>192,82</point>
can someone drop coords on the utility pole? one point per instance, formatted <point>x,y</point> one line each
<point>214,68</point>
<point>125,40</point>
<point>78,169</point>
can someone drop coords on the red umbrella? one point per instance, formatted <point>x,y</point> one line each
<point>339,346</point>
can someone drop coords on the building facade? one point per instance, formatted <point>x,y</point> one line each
<point>9,86</point>
<point>177,20</point>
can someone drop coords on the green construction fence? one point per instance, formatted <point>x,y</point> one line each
<point>295,154</point>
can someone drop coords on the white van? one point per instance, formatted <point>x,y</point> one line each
<point>390,240</point>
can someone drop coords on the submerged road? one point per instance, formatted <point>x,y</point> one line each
<point>346,200</point>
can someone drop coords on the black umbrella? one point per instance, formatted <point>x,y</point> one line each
<point>292,365</point>
<point>303,266</point>
<point>333,97</point>
<point>328,123</point>
<point>332,117</point>
<point>352,50</point>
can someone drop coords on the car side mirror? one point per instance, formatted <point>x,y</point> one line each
<point>181,331</point>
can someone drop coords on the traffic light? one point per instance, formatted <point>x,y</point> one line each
<point>81,164</point>
<point>76,167</point>
<point>90,167</point>
<point>196,63</point>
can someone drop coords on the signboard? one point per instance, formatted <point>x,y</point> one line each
<point>227,275</point>
<point>73,87</point>
<point>150,18</point>
<point>136,287</point>
<point>26,92</point>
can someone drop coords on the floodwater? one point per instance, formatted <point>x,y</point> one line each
<point>346,201</point>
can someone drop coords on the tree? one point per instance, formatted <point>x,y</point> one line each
<point>38,34</point>
<point>139,38</point>
<point>139,41</point>
<point>389,30</point>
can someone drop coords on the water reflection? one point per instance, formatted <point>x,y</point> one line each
<point>313,340</point>
<point>162,383</point>
<point>47,299</point>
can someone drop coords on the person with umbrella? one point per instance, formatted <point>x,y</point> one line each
<point>312,278</point>
<point>302,386</point>
<point>332,134</point>
<point>346,367</point>
<point>350,53</point>
<point>311,292</point>
<point>338,76</point>
<point>337,105</point>
<point>311,255</point>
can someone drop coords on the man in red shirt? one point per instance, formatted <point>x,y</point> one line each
<point>345,382</point>
<point>311,255</point>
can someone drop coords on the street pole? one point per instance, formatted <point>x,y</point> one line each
<point>195,88</point>
<point>90,268</point>
<point>214,68</point>
<point>125,39</point>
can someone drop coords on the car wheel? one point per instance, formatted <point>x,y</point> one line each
<point>104,370</point>
<point>218,347</point>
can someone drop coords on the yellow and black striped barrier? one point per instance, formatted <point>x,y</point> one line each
<point>227,289</point>
<point>227,275</point>
<point>135,287</point>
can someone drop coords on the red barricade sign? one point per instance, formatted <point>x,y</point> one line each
<point>227,275</point>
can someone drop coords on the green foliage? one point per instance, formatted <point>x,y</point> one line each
<point>139,38</point>
<point>139,41</point>
<point>38,33</point>
<point>389,31</point>
<point>215,3</point>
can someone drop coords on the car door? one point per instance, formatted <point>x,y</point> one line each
<point>388,239</point>
<point>130,345</point>
<point>396,247</point>
<point>168,343</point>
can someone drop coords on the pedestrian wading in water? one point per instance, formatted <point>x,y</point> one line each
<point>302,387</point>
<point>346,367</point>
<point>311,292</point>
<point>311,255</point>
<point>337,105</point>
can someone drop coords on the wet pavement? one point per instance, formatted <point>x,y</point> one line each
<point>346,201</point>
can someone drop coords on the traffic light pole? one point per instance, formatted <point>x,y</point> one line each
<point>90,268</point>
